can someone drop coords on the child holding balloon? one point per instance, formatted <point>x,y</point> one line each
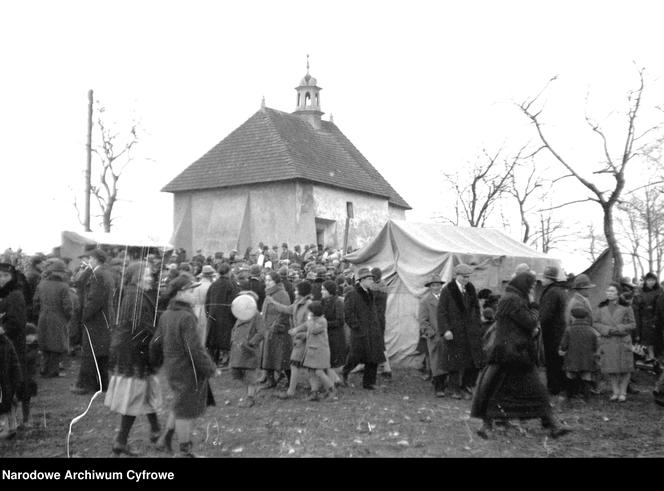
<point>246,336</point>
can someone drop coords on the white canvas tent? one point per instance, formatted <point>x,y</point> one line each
<point>75,244</point>
<point>409,253</point>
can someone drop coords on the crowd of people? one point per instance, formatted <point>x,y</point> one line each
<point>280,318</point>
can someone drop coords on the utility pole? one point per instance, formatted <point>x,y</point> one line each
<point>88,168</point>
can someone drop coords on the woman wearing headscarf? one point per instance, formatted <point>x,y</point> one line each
<point>277,345</point>
<point>509,387</point>
<point>13,319</point>
<point>647,332</point>
<point>133,389</point>
<point>52,302</point>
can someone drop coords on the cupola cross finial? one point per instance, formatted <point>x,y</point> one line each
<point>307,64</point>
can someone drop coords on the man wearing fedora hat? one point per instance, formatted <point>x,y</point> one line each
<point>96,319</point>
<point>460,326</point>
<point>553,303</point>
<point>366,340</point>
<point>427,318</point>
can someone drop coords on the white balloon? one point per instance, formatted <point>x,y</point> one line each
<point>244,307</point>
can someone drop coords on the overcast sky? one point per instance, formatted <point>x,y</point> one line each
<point>420,87</point>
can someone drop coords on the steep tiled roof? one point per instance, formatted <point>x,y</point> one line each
<point>275,146</point>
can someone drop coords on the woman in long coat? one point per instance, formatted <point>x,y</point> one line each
<point>52,302</point>
<point>187,364</point>
<point>509,386</point>
<point>220,318</point>
<point>644,311</point>
<point>298,315</point>
<point>614,320</point>
<point>333,308</point>
<point>133,389</point>
<point>277,345</point>
<point>13,314</point>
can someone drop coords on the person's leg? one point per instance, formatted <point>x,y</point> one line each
<point>126,422</point>
<point>269,379</point>
<point>324,379</point>
<point>292,385</point>
<point>155,430</point>
<point>351,363</point>
<point>25,406</point>
<point>453,380</point>
<point>386,368</point>
<point>624,382</point>
<point>165,441</point>
<point>615,389</point>
<point>369,375</point>
<point>333,376</point>
<point>183,430</point>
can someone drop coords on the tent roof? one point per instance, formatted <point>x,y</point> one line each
<point>414,251</point>
<point>435,237</point>
<point>114,238</point>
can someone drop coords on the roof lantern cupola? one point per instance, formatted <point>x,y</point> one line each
<point>308,99</point>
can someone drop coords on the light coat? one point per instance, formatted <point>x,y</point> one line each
<point>427,317</point>
<point>245,343</point>
<point>615,325</point>
<point>278,344</point>
<point>317,346</point>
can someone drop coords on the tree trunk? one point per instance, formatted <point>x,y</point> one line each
<point>107,220</point>
<point>610,236</point>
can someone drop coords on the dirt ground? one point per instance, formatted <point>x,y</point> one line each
<point>400,419</point>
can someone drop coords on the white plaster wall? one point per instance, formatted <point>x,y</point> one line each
<point>370,214</point>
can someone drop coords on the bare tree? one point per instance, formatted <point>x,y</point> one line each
<point>615,168</point>
<point>478,190</point>
<point>113,151</point>
<point>522,193</point>
<point>596,243</point>
<point>548,233</point>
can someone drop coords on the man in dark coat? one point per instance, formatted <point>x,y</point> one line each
<point>288,285</point>
<point>97,318</point>
<point>460,327</point>
<point>379,289</point>
<point>366,340</point>
<point>553,305</point>
<point>220,318</point>
<point>33,276</point>
<point>257,284</point>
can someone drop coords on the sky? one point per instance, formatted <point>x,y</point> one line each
<point>420,87</point>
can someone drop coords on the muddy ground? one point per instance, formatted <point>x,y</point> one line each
<point>400,419</point>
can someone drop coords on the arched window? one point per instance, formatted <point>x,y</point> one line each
<point>298,100</point>
<point>317,101</point>
<point>307,99</point>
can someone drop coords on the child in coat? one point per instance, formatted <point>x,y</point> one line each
<point>579,347</point>
<point>245,354</point>
<point>316,352</point>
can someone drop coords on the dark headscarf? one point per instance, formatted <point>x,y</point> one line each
<point>12,284</point>
<point>523,282</point>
